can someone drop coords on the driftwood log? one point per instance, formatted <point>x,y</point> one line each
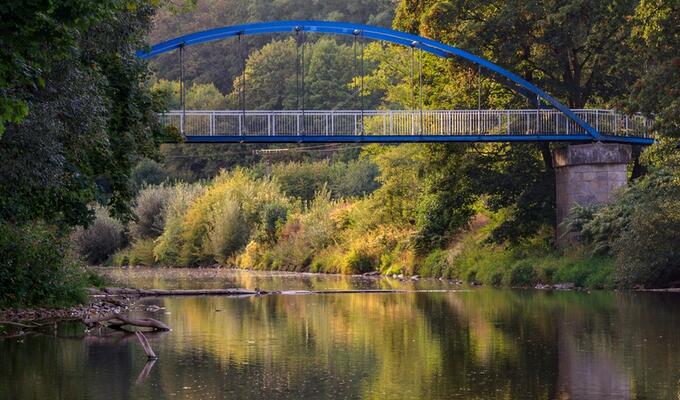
<point>108,292</point>
<point>117,321</point>
<point>146,346</point>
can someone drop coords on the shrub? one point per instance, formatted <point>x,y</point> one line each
<point>169,244</point>
<point>302,180</point>
<point>149,211</point>
<point>305,234</point>
<point>141,253</point>
<point>272,218</point>
<point>435,264</point>
<point>146,172</point>
<point>343,179</point>
<point>250,194</point>
<point>358,261</point>
<point>583,270</point>
<point>641,229</point>
<point>251,258</point>
<point>521,274</point>
<point>96,243</point>
<point>354,178</point>
<point>648,252</point>
<point>34,270</point>
<point>227,231</point>
<point>121,258</point>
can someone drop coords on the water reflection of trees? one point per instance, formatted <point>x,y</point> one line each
<point>480,344</point>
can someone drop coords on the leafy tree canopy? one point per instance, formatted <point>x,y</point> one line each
<point>86,122</point>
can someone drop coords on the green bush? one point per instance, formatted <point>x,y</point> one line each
<point>358,261</point>
<point>305,235</point>
<point>648,252</point>
<point>435,264</point>
<point>272,218</point>
<point>354,178</point>
<point>641,230</point>
<point>201,225</point>
<point>228,231</point>
<point>302,180</point>
<point>169,244</point>
<point>149,211</point>
<point>521,274</point>
<point>146,172</point>
<point>141,253</point>
<point>96,243</point>
<point>34,270</point>
<point>343,179</point>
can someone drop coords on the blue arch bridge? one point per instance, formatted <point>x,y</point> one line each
<point>548,121</point>
<point>589,171</point>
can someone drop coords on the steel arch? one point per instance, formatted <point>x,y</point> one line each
<point>371,32</point>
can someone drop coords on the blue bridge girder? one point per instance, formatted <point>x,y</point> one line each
<point>587,131</point>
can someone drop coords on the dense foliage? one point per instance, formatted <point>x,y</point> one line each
<point>69,71</point>
<point>220,63</point>
<point>79,136</point>
<point>34,270</point>
<point>639,229</point>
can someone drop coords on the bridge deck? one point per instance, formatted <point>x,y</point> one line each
<point>403,126</point>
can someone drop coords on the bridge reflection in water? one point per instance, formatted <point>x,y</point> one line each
<point>402,125</point>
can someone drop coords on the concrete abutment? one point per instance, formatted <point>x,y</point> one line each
<point>587,174</point>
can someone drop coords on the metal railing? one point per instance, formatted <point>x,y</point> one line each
<point>398,122</point>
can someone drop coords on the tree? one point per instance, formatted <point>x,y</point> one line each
<point>328,74</point>
<point>569,48</point>
<point>274,82</point>
<point>33,36</point>
<point>85,126</point>
<point>270,78</point>
<point>654,43</point>
<point>220,62</point>
<point>447,203</point>
<point>199,96</point>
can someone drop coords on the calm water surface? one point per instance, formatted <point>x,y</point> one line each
<point>463,344</point>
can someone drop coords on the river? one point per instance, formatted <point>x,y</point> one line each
<point>462,343</point>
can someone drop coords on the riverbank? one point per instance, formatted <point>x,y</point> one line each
<point>106,301</point>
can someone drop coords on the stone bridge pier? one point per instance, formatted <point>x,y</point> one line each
<point>587,174</point>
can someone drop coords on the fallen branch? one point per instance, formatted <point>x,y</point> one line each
<point>117,321</point>
<point>146,346</point>
<point>107,292</point>
<point>20,325</point>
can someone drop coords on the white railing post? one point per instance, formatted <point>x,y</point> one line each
<point>391,116</point>
<point>465,122</point>
<point>413,123</point>
<point>384,131</point>
<point>507,120</point>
